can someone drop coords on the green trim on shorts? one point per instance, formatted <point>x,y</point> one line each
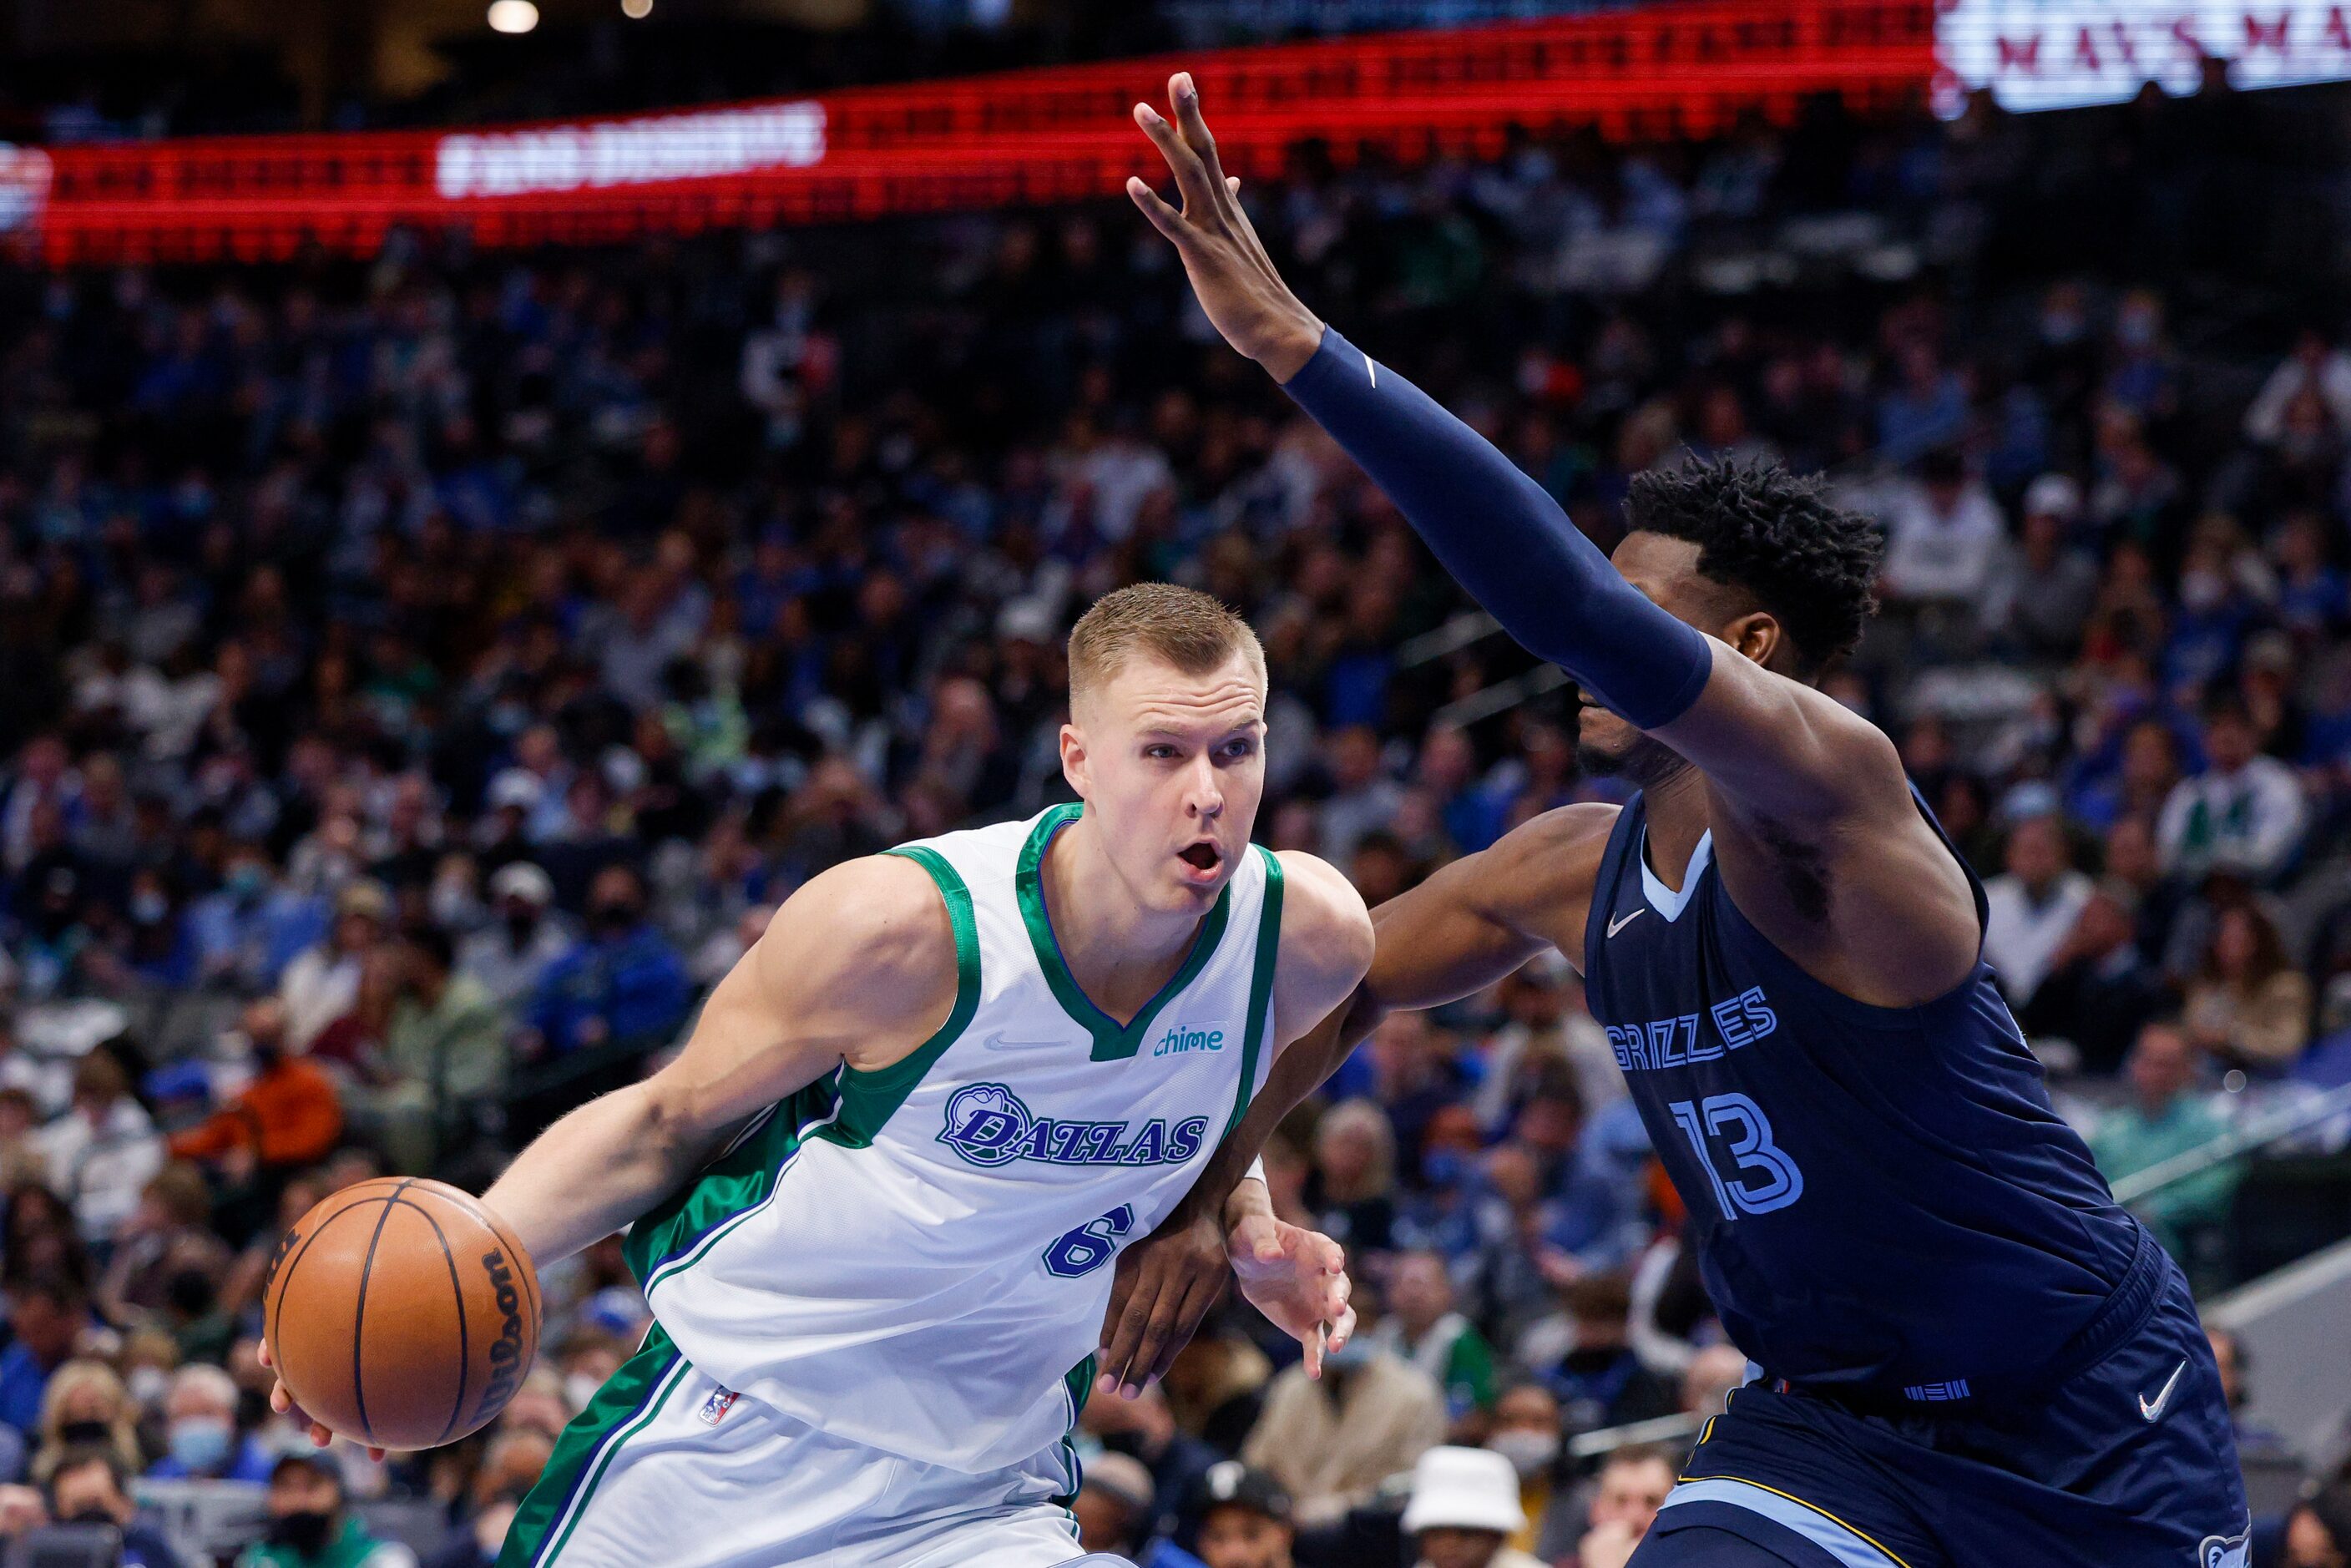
<point>625,1406</point>
<point>849,1109</point>
<point>1260,1002</point>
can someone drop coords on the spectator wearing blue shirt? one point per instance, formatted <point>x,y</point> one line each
<point>621,982</point>
<point>248,930</point>
<point>202,1442</point>
<point>47,1314</point>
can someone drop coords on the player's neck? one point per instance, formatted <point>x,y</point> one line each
<point>1119,952</point>
<point>1677,820</point>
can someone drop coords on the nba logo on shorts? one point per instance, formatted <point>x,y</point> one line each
<point>715,1408</point>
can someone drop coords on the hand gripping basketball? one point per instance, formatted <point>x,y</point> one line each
<point>399,1313</point>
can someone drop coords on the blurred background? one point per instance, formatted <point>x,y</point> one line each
<point>492,500</point>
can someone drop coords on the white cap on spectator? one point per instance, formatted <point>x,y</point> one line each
<point>1025,621</point>
<point>515,787</point>
<point>1464,1489</point>
<point>2053,494</point>
<point>520,879</point>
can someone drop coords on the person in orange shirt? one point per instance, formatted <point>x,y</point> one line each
<point>288,1117</point>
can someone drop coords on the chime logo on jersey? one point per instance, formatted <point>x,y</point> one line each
<point>988,1126</point>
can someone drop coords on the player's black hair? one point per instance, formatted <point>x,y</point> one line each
<point>1775,534</point>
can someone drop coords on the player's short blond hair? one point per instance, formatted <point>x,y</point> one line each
<point>1178,626</point>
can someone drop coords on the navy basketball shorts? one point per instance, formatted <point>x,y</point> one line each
<point>2130,1463</point>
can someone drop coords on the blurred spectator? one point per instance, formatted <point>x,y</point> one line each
<point>1352,1190</point>
<point>2244,813</point>
<point>322,982</point>
<point>2318,1530</point>
<point>1423,1328</point>
<point>1944,535</point>
<point>1633,1486</point>
<point>1113,1505</point>
<point>514,950</point>
<point>2100,991</point>
<point>2165,1117</point>
<point>202,1440</point>
<point>441,1051</point>
<point>85,1405</point>
<point>169,1232</point>
<point>1464,1509</point>
<point>2032,906</point>
<point>1546,1024</point>
<point>103,1151</point>
<point>1599,1379</point>
<point>1244,1518</point>
<point>90,1485</point>
<point>2235,1367</point>
<point>621,984</point>
<point>1331,1442</point>
<point>510,1464</point>
<point>47,1317</point>
<point>287,1116</point>
<point>1526,1431</point>
<point>312,1526</point>
<point>1709,1379</point>
<point>2247,1005</point>
<point>1144,1429</point>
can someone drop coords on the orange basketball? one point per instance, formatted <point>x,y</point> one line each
<point>400,1311</point>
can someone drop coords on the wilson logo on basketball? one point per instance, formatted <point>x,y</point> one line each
<point>505,1353</point>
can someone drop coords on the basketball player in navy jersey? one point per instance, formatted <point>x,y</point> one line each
<point>1966,1354</point>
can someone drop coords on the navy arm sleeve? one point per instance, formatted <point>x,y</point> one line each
<point>1506,541</point>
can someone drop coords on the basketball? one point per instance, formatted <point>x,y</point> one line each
<point>400,1313</point>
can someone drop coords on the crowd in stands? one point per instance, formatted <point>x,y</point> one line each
<point>419,679</point>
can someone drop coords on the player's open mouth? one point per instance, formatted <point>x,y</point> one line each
<point>1203,857</point>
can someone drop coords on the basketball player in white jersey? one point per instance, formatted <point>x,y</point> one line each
<point>875,1199</point>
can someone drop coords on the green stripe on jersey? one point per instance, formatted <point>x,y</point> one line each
<point>1260,1002</point>
<point>849,1109</point>
<point>627,1403</point>
<point>1113,1041</point>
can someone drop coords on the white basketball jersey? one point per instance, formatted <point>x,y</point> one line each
<point>918,1259</point>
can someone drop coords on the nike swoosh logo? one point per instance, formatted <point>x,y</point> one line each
<point>2156,1409</point>
<point>1621,921</point>
<point>997,1043</point>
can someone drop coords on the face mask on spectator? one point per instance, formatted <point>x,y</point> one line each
<point>1443,1167</point>
<point>201,1442</point>
<point>93,1514</point>
<point>148,908</point>
<point>617,918</point>
<point>579,1388</point>
<point>1530,1453</point>
<point>1356,1352</point>
<point>304,1533</point>
<point>72,1432</point>
<point>244,881</point>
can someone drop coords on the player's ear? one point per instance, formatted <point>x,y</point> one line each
<point>1074,764</point>
<point>1758,636</point>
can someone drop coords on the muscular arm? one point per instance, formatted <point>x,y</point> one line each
<point>1816,835</point>
<point>859,965</point>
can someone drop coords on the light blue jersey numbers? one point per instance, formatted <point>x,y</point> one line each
<point>1731,1131</point>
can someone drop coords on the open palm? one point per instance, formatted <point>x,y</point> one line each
<point>1298,1279</point>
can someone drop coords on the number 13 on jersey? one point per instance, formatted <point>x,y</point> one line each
<point>1760,1177</point>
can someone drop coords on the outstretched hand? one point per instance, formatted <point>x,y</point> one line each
<point>1236,280</point>
<point>1166,1283</point>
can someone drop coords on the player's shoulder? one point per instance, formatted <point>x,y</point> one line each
<point>878,921</point>
<point>1326,929</point>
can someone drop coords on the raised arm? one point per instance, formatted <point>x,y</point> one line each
<point>1799,779</point>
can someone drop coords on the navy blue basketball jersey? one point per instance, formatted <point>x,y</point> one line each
<point>1882,1200</point>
